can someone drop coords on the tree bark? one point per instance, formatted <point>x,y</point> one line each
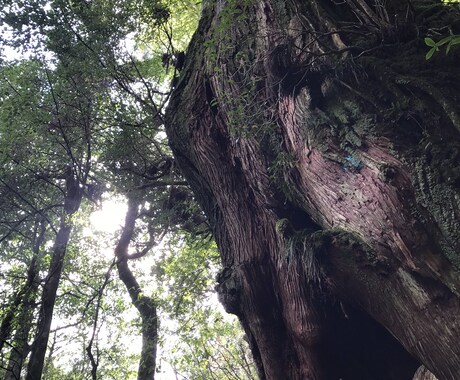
<point>25,303</point>
<point>324,150</point>
<point>423,374</point>
<point>72,201</point>
<point>145,305</point>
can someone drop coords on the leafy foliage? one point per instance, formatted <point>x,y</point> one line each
<point>207,344</point>
<point>86,94</point>
<point>449,41</point>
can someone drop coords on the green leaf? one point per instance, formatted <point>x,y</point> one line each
<point>454,40</point>
<point>444,41</point>
<point>429,42</point>
<point>430,53</point>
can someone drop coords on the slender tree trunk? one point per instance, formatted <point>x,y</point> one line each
<point>72,201</point>
<point>324,150</point>
<point>145,305</point>
<point>27,290</point>
<point>25,321</point>
<point>21,348</point>
<point>25,303</point>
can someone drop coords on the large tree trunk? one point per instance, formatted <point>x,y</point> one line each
<point>324,149</point>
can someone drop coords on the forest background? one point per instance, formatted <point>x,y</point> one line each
<point>105,255</point>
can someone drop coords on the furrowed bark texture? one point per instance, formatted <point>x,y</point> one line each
<point>324,150</point>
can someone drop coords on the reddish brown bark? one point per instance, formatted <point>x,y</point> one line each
<point>325,154</point>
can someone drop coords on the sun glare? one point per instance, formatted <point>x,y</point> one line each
<point>110,216</point>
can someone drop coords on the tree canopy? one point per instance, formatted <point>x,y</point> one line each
<point>83,87</point>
